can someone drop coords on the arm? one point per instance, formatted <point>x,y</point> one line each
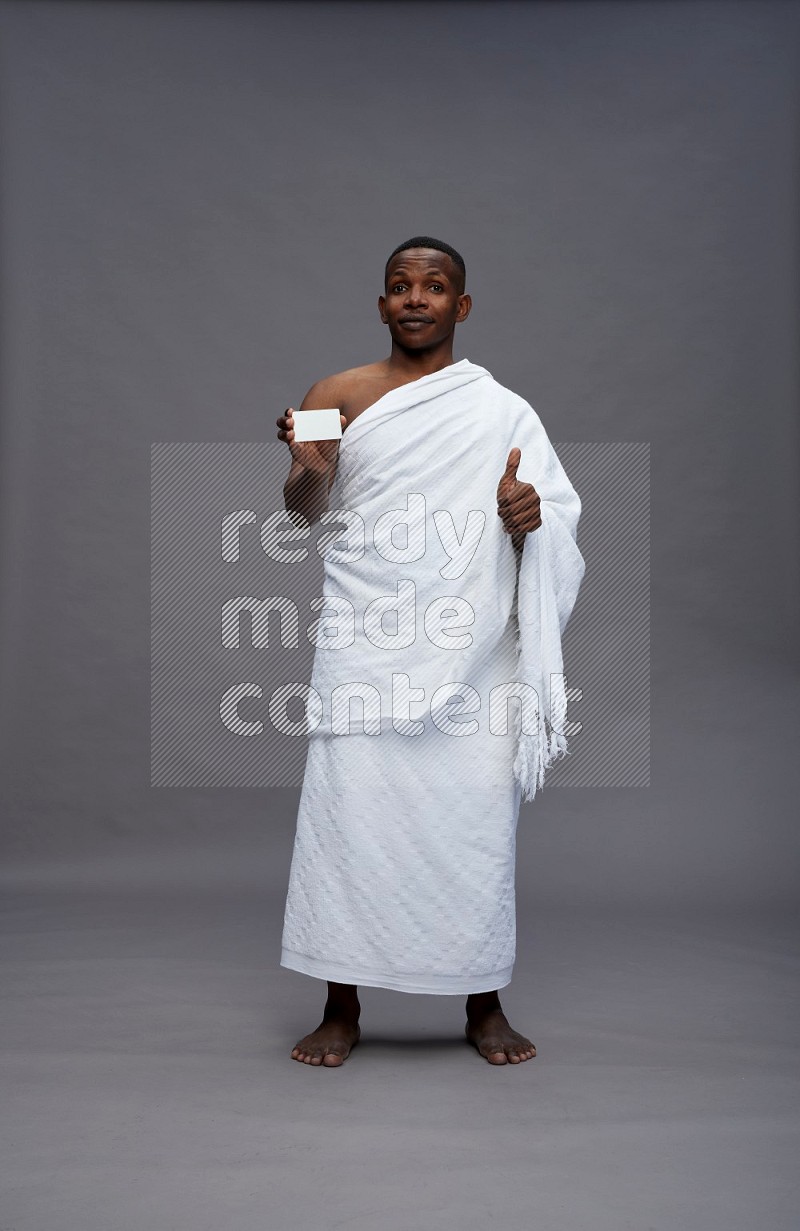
<point>313,467</point>
<point>306,490</point>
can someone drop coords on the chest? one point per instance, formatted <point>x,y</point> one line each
<point>364,394</point>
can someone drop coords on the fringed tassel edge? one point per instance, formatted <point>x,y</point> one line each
<point>536,753</point>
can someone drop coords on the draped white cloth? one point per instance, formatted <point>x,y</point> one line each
<point>403,867</point>
<point>426,459</point>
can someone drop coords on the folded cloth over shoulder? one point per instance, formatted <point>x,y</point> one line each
<point>418,473</point>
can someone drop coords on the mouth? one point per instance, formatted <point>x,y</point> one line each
<point>410,321</point>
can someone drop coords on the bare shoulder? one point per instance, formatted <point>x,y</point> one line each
<point>350,390</point>
<point>323,393</point>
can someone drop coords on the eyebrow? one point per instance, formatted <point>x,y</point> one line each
<point>432,269</point>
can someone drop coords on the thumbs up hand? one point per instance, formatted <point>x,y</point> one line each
<point>518,503</point>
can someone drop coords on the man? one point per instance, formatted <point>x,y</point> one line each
<point>403,867</point>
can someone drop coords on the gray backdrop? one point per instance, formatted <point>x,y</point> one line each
<point>197,203</point>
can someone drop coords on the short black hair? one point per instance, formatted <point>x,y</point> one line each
<point>427,241</point>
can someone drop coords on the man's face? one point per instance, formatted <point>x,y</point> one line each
<point>422,304</point>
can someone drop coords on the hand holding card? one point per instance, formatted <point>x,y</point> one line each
<point>313,437</point>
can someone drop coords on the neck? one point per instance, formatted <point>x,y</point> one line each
<point>415,363</point>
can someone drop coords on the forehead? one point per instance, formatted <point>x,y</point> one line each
<point>428,258</point>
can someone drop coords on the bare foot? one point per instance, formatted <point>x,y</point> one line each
<point>329,1044</point>
<point>492,1035</point>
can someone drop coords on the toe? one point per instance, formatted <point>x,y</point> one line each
<point>332,1059</point>
<point>496,1055</point>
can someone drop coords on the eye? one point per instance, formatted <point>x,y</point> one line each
<point>437,286</point>
<point>398,286</point>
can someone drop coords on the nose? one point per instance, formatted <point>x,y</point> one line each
<point>415,296</point>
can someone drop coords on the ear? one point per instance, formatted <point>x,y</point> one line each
<point>382,308</point>
<point>464,307</point>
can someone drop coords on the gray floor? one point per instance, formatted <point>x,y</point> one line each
<point>148,1084</point>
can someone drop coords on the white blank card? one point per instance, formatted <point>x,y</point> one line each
<point>317,424</point>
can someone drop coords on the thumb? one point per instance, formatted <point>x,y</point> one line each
<point>514,459</point>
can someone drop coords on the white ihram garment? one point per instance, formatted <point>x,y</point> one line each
<point>402,874</point>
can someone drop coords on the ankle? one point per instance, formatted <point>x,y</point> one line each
<point>341,1013</point>
<point>482,1003</point>
<point>342,1006</point>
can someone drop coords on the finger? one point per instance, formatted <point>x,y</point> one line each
<point>509,512</point>
<point>522,525</point>
<point>514,501</point>
<point>514,459</point>
<point>517,517</point>
<point>520,497</point>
